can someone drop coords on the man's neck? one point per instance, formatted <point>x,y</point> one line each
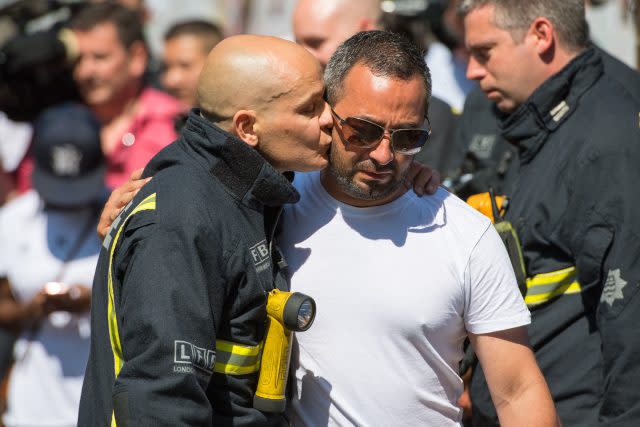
<point>560,60</point>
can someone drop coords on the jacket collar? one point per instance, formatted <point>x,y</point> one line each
<point>240,168</point>
<point>550,104</point>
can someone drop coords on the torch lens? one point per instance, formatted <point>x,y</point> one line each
<point>305,315</point>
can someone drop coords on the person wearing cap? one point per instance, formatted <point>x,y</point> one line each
<point>48,253</point>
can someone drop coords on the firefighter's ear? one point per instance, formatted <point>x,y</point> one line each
<point>244,122</point>
<point>542,34</point>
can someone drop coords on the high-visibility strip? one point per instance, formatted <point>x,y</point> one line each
<point>149,203</point>
<point>543,287</point>
<point>237,359</point>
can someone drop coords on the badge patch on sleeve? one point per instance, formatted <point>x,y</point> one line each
<point>620,290</point>
<point>613,287</point>
<point>187,355</point>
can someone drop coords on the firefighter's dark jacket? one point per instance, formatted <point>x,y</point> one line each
<point>192,259</point>
<point>488,156</point>
<point>574,203</point>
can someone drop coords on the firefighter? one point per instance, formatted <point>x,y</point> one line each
<point>179,309</point>
<point>572,201</point>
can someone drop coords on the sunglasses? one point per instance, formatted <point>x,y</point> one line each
<point>361,133</point>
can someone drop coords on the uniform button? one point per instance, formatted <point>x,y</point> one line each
<point>128,139</point>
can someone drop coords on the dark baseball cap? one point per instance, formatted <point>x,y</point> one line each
<point>69,165</point>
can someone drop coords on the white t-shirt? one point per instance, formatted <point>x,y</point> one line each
<point>46,379</point>
<point>397,287</point>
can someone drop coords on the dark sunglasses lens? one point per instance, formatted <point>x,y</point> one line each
<point>409,141</point>
<point>361,133</point>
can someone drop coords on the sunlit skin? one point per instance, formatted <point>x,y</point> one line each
<point>504,69</point>
<point>183,58</point>
<point>373,176</point>
<point>282,113</point>
<point>320,26</point>
<point>106,71</point>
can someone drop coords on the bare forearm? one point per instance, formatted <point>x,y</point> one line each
<point>514,379</point>
<point>515,410</point>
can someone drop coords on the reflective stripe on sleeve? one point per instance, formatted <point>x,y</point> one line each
<point>237,359</point>
<point>543,287</point>
<point>149,203</point>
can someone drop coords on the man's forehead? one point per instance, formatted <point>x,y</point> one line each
<point>103,33</point>
<point>480,27</point>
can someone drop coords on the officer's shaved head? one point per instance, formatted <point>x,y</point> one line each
<point>322,25</point>
<point>248,72</point>
<point>268,92</point>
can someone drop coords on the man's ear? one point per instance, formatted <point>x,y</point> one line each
<point>245,127</point>
<point>543,34</point>
<point>137,59</point>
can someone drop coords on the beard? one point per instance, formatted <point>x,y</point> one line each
<point>373,190</point>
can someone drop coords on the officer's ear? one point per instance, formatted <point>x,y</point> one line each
<point>542,34</point>
<point>244,125</point>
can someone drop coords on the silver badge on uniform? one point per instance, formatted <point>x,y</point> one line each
<point>612,290</point>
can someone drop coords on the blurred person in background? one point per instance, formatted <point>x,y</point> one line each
<point>321,26</point>
<point>137,120</point>
<point>573,122</point>
<point>186,46</point>
<point>15,138</point>
<point>437,28</point>
<point>38,54</point>
<point>100,57</point>
<point>48,254</point>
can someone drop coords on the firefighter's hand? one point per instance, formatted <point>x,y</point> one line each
<point>465,398</point>
<point>118,199</point>
<point>423,179</point>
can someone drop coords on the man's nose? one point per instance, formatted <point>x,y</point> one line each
<point>83,68</point>
<point>326,120</point>
<point>475,71</point>
<point>382,154</point>
<point>171,78</point>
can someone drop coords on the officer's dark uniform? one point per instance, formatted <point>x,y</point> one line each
<point>488,155</point>
<point>440,152</point>
<point>574,202</point>
<point>179,302</point>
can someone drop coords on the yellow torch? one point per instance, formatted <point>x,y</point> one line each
<point>287,312</point>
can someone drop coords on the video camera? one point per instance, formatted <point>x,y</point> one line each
<point>34,66</point>
<point>35,15</point>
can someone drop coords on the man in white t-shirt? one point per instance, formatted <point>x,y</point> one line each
<point>399,281</point>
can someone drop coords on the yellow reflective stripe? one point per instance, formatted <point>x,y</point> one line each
<point>237,359</point>
<point>239,349</point>
<point>543,287</point>
<point>228,369</point>
<point>552,277</point>
<point>149,203</point>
